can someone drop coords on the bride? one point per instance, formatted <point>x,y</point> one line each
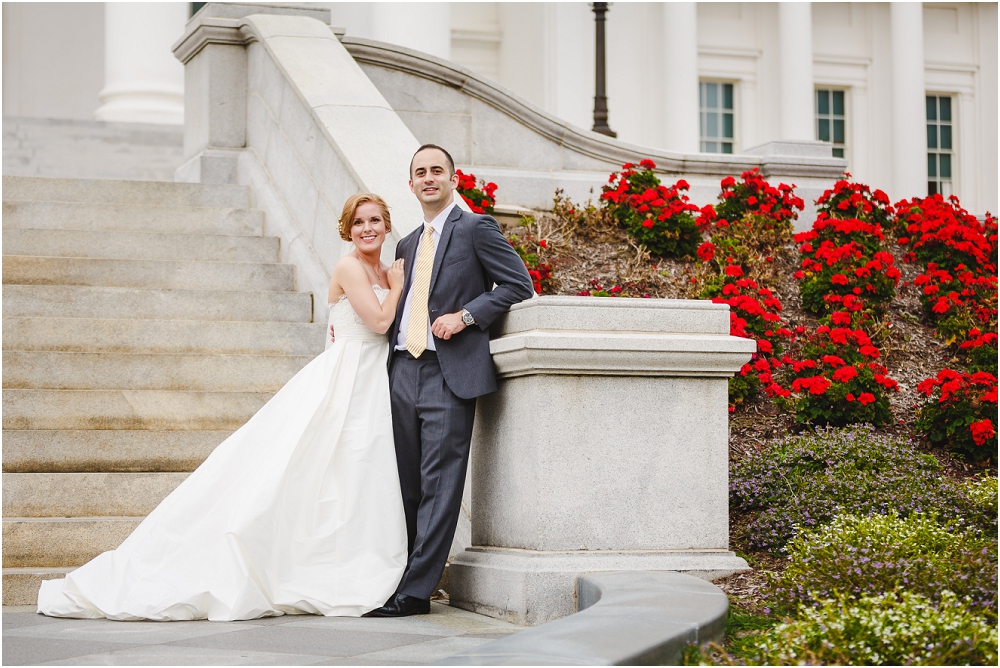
<point>299,511</point>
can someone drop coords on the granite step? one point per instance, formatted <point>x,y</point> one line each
<point>162,274</point>
<point>43,542</point>
<point>107,450</point>
<point>71,301</point>
<point>163,336</point>
<point>111,191</point>
<point>132,217</point>
<point>129,409</point>
<point>85,494</point>
<point>155,371</point>
<point>129,245</point>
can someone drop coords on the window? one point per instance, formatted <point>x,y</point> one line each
<point>831,120</point>
<point>716,107</point>
<point>940,154</point>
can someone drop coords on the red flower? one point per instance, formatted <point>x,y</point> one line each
<point>982,431</point>
<point>647,223</point>
<point>734,270</point>
<point>845,374</point>
<point>706,251</point>
<point>866,398</point>
<point>543,243</point>
<point>838,279</point>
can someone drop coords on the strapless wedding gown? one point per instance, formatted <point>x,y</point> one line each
<point>299,511</point>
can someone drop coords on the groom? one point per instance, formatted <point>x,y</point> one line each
<point>439,362</point>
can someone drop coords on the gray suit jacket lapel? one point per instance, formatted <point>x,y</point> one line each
<point>409,259</point>
<point>448,228</point>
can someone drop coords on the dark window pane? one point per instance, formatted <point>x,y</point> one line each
<point>931,108</point>
<point>945,108</point>
<point>838,153</point>
<point>727,126</point>
<point>704,147</point>
<point>711,96</point>
<point>838,131</point>
<point>838,103</point>
<point>727,96</point>
<point>702,124</point>
<point>932,136</point>
<point>824,129</point>
<point>702,86</point>
<point>711,124</point>
<point>932,187</point>
<point>727,147</point>
<point>823,102</point>
<point>945,165</point>
<point>932,164</point>
<point>945,136</point>
<point>711,147</point>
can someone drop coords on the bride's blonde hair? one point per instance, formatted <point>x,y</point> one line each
<point>351,208</point>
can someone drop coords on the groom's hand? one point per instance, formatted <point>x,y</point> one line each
<point>448,325</point>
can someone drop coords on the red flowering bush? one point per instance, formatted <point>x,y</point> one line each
<point>836,379</point>
<point>856,200</point>
<point>980,350</point>
<point>844,252</point>
<point>660,218</point>
<point>753,314</point>
<point>752,194</point>
<point>940,231</point>
<point>481,199</point>
<point>961,413</point>
<point>530,251</point>
<point>957,301</point>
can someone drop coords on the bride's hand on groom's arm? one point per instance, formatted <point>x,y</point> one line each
<point>448,325</point>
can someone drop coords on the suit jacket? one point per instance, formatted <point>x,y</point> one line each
<point>471,256</point>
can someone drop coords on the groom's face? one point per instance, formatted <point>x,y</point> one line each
<point>432,180</point>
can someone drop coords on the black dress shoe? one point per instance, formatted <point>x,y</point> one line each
<point>402,606</point>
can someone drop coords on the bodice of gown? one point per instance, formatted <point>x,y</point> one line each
<point>346,323</point>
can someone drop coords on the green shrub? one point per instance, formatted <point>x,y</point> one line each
<point>890,629</point>
<point>804,481</point>
<point>866,555</point>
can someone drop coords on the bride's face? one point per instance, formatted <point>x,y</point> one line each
<point>368,230</point>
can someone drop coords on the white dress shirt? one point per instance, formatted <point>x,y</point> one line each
<point>437,223</point>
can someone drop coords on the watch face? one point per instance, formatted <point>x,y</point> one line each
<point>467,318</point>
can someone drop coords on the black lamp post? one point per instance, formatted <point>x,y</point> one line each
<point>600,99</point>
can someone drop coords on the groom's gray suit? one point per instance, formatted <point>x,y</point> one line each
<point>434,396</point>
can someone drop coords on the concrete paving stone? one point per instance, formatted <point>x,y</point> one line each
<point>132,217</point>
<point>132,633</point>
<point>107,450</point>
<point>428,651</point>
<point>358,661</point>
<point>77,301</point>
<point>24,616</point>
<point>417,624</point>
<point>166,336</point>
<point>468,622</point>
<point>129,409</point>
<point>167,655</point>
<point>293,639</point>
<point>133,245</point>
<point>158,371</point>
<point>159,274</point>
<point>35,651</point>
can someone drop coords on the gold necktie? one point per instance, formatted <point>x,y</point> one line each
<point>416,328</point>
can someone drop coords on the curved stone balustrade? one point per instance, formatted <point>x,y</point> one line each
<point>625,618</point>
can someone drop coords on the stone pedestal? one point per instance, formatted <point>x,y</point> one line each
<point>605,448</point>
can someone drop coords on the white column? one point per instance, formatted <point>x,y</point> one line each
<point>424,26</point>
<point>909,110</point>
<point>680,79</point>
<point>796,70</point>
<point>143,82</point>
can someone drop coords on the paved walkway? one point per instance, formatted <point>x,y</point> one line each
<point>33,639</point>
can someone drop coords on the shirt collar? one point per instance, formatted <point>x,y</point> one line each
<point>439,219</point>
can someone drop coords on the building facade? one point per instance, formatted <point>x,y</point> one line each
<point>905,92</point>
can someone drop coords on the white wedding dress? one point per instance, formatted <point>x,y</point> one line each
<point>299,511</point>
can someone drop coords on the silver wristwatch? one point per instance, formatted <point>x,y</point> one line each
<point>467,318</point>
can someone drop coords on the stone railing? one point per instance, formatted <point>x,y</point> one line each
<point>447,104</point>
<point>274,101</point>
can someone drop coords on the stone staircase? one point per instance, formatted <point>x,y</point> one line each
<point>143,322</point>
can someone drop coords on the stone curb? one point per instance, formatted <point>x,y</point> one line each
<point>625,618</point>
